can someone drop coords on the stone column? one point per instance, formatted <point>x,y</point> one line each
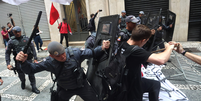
<point>181,8</point>
<point>116,6</point>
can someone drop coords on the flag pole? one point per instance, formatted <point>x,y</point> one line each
<point>57,21</point>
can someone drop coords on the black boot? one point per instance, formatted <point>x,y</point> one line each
<point>35,90</point>
<point>23,85</point>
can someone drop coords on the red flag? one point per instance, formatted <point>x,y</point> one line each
<point>54,14</point>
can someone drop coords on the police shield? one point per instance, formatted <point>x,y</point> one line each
<point>153,20</point>
<point>107,30</point>
<point>171,18</point>
<point>144,18</point>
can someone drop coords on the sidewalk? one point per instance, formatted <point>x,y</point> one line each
<point>11,89</point>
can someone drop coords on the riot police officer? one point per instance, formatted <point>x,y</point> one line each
<point>17,43</point>
<point>141,13</point>
<point>65,64</point>
<point>125,33</point>
<point>123,22</point>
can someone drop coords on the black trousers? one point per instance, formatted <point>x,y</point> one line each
<point>21,75</point>
<point>86,93</point>
<point>66,38</point>
<point>152,87</point>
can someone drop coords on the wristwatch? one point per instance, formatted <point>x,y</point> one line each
<point>183,53</point>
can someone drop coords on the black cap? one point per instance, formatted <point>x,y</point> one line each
<point>64,18</point>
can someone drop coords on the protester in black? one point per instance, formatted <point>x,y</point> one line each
<point>137,85</point>
<point>9,29</point>
<point>91,26</point>
<point>10,26</point>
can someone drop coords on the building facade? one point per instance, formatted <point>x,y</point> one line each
<point>187,26</point>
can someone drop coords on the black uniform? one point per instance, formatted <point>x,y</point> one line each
<point>17,44</point>
<point>67,84</point>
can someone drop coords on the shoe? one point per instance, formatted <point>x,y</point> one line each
<point>41,49</point>
<point>23,85</point>
<point>35,90</point>
<point>38,51</point>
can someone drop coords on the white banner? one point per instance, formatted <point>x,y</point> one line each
<point>168,91</point>
<point>18,2</point>
<point>15,2</point>
<point>64,2</point>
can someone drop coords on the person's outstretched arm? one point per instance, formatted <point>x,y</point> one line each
<point>30,68</point>
<point>189,55</point>
<point>161,58</point>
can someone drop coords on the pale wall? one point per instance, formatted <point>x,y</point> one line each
<point>109,7</point>
<point>54,31</point>
<point>116,6</point>
<point>1,41</point>
<point>181,8</point>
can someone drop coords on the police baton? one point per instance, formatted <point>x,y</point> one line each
<point>32,34</point>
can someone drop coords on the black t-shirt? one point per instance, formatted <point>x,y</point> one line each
<point>10,33</point>
<point>133,64</point>
<point>37,31</point>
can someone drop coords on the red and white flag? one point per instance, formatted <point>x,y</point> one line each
<point>54,15</point>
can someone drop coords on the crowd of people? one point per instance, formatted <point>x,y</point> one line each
<point>65,63</point>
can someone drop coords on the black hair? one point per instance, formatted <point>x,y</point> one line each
<point>92,15</point>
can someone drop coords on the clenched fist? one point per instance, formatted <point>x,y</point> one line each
<point>21,56</point>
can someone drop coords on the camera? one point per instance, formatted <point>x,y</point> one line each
<point>9,14</point>
<point>100,10</point>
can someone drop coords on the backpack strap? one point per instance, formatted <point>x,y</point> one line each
<point>129,50</point>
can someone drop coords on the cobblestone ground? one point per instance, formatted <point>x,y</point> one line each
<point>11,90</point>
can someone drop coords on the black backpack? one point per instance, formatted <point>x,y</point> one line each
<point>114,75</point>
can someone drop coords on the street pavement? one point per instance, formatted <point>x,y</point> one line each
<point>11,88</point>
